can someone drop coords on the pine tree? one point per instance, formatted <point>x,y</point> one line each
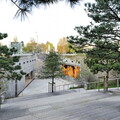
<point>8,68</point>
<point>52,66</point>
<point>3,35</point>
<point>103,34</point>
<point>27,6</point>
<point>104,57</point>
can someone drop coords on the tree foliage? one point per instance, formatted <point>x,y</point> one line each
<point>27,6</point>
<point>104,57</point>
<point>30,47</point>
<point>3,35</point>
<point>49,47</point>
<point>15,39</point>
<point>62,46</point>
<point>52,66</point>
<point>103,34</point>
<point>8,68</point>
<point>41,47</point>
<point>33,47</point>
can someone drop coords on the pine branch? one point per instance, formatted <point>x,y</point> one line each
<point>115,14</point>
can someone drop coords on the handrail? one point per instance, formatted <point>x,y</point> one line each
<point>114,79</point>
<point>2,98</point>
<point>25,86</point>
<point>66,84</point>
<point>1,93</point>
<point>74,84</point>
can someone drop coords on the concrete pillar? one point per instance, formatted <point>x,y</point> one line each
<point>50,87</point>
<point>85,86</point>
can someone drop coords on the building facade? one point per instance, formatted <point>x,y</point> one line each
<point>27,63</point>
<point>18,46</point>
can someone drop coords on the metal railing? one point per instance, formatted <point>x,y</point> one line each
<point>68,86</point>
<point>112,84</point>
<point>2,98</point>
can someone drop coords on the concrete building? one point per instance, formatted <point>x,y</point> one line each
<point>27,63</point>
<point>71,67</point>
<point>18,46</point>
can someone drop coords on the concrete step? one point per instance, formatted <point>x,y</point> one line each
<point>38,96</point>
<point>68,95</point>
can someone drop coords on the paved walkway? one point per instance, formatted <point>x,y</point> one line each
<point>41,86</point>
<point>67,105</point>
<point>90,105</point>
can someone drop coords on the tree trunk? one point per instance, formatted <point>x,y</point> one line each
<point>15,88</point>
<point>52,84</point>
<point>106,82</point>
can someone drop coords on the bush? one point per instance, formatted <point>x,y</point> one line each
<point>91,86</point>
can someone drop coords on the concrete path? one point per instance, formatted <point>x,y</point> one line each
<point>65,105</point>
<point>41,86</point>
<point>69,105</point>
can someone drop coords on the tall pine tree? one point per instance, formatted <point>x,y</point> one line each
<point>103,34</point>
<point>8,68</point>
<point>53,66</point>
<point>27,6</point>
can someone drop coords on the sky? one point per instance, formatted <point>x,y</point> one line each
<point>44,24</point>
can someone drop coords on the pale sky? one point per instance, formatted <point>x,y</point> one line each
<point>48,23</point>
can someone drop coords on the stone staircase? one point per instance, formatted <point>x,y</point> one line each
<point>67,105</point>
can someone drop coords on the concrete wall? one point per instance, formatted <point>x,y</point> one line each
<point>78,60</point>
<point>11,87</point>
<point>27,63</point>
<point>85,74</point>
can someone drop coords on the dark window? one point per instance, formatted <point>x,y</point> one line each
<point>65,66</point>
